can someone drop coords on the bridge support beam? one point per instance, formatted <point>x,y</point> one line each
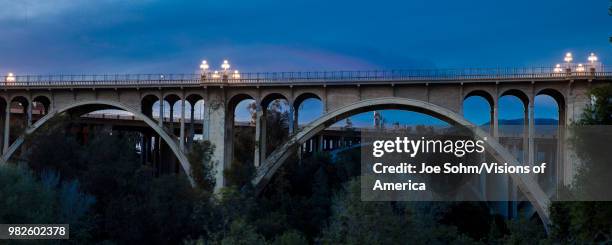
<point>28,114</point>
<point>561,160</point>
<point>161,111</point>
<point>260,136</point>
<point>526,145</point>
<point>494,120</point>
<point>292,118</point>
<point>171,119</point>
<point>531,159</point>
<point>7,127</point>
<point>182,133</point>
<point>221,135</point>
<point>192,126</point>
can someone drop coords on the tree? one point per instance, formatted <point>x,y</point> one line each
<point>588,222</point>
<point>357,222</point>
<point>202,167</point>
<point>26,199</point>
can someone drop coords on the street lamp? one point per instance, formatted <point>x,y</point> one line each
<point>10,78</point>
<point>568,57</point>
<point>236,75</point>
<point>592,62</point>
<point>225,73</point>
<point>216,75</point>
<point>204,69</point>
<point>225,66</point>
<point>568,62</point>
<point>558,68</point>
<point>580,68</point>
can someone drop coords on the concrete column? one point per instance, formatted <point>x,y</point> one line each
<point>320,144</point>
<point>158,156</point>
<point>531,134</point>
<point>172,119</point>
<point>296,117</point>
<point>161,112</point>
<point>525,136</point>
<point>292,118</point>
<point>494,119</point>
<point>205,121</point>
<point>182,134</point>
<point>560,163</point>
<point>191,126</point>
<point>28,114</point>
<point>7,126</point>
<point>2,116</point>
<point>258,136</point>
<point>145,147</point>
<point>221,138</point>
<point>264,134</point>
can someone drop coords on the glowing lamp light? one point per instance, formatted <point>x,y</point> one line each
<point>580,68</point>
<point>225,66</point>
<point>592,58</point>
<point>558,68</point>
<point>11,78</point>
<point>236,75</point>
<point>204,66</point>
<point>568,57</point>
<point>216,75</point>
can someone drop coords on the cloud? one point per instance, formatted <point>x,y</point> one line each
<point>83,36</point>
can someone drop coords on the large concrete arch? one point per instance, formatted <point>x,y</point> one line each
<point>529,186</point>
<point>112,104</point>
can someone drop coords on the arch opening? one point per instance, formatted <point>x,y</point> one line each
<point>146,105</point>
<point>547,132</point>
<point>478,109</point>
<point>240,137</point>
<point>277,122</point>
<point>19,117</point>
<point>276,159</point>
<point>308,107</point>
<point>195,109</point>
<point>146,127</point>
<point>40,107</point>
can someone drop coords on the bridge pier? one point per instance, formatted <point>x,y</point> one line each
<point>192,126</point>
<point>7,127</point>
<point>259,142</point>
<point>220,134</point>
<point>182,133</point>
<point>531,126</point>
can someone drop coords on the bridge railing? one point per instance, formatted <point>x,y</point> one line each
<point>417,75</point>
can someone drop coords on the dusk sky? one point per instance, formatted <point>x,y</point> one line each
<point>149,36</point>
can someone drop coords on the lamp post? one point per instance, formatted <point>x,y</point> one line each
<point>225,73</point>
<point>225,66</point>
<point>592,62</point>
<point>204,69</point>
<point>558,68</point>
<point>568,62</point>
<point>10,78</point>
<point>236,75</point>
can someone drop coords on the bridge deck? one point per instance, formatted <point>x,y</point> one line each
<point>304,78</point>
